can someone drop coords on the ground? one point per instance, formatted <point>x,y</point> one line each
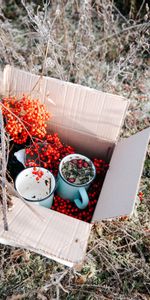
<point>105,46</point>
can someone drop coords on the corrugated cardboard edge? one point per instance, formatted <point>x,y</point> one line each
<point>6,80</point>
<point>8,71</point>
<point>11,242</point>
<point>53,235</point>
<point>118,195</point>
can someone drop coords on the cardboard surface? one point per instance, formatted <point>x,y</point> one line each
<point>75,107</point>
<point>120,187</point>
<point>51,234</point>
<point>85,144</point>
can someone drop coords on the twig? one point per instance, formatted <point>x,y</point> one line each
<point>45,57</point>
<point>56,281</point>
<point>43,67</point>
<point>124,30</point>
<point>119,12</point>
<point>3,182</point>
<point>138,13</point>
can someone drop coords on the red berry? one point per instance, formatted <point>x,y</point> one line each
<point>80,166</point>
<point>80,161</point>
<point>71,180</point>
<point>85,164</point>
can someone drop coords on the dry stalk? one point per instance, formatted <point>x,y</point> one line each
<point>3,166</point>
<point>56,281</point>
<point>129,28</point>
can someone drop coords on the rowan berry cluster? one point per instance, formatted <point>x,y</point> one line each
<point>38,173</point>
<point>100,165</point>
<point>48,153</point>
<point>68,208</point>
<point>24,117</point>
<point>141,196</point>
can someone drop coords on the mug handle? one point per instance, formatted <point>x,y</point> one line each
<point>81,204</point>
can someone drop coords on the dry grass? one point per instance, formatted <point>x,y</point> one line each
<point>92,43</point>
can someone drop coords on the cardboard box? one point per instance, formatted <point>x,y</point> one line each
<point>91,121</point>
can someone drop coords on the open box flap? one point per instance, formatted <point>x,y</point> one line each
<point>63,239</point>
<point>82,109</point>
<point>120,187</point>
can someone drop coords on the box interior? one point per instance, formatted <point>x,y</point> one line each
<point>91,146</point>
<point>84,118</point>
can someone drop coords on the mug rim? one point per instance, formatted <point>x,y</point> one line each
<point>40,200</point>
<point>72,184</point>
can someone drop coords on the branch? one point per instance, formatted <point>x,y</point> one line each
<point>3,166</point>
<point>124,30</point>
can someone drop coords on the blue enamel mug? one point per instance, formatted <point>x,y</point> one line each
<point>75,193</point>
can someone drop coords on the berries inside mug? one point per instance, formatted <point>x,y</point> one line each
<point>77,171</point>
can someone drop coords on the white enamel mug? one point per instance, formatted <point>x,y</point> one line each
<point>40,191</point>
